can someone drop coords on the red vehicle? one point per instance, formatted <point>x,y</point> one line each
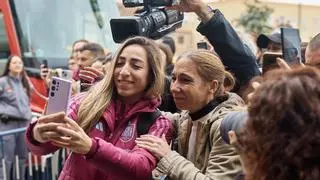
<point>42,29</point>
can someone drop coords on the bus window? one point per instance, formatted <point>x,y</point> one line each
<point>4,45</point>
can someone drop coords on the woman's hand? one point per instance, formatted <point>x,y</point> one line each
<point>46,126</point>
<point>73,137</point>
<point>157,146</point>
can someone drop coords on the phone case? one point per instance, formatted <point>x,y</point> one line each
<point>269,61</point>
<point>66,74</point>
<point>59,95</point>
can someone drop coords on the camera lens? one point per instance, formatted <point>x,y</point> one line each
<point>54,82</point>
<point>52,94</point>
<point>53,88</point>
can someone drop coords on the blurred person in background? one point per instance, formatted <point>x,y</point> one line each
<point>102,63</point>
<point>102,123</point>
<point>304,46</point>
<point>72,61</point>
<point>271,43</point>
<point>313,52</point>
<point>169,41</point>
<point>281,138</point>
<point>72,64</point>
<point>167,102</point>
<point>15,112</point>
<point>99,68</point>
<point>85,58</point>
<point>167,56</point>
<point>87,54</point>
<point>198,90</point>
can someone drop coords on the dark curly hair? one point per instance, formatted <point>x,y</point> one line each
<point>281,139</point>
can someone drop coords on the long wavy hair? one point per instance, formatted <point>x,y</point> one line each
<point>24,78</point>
<point>100,95</point>
<point>281,139</point>
<point>210,67</point>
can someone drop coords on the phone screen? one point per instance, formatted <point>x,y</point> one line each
<point>270,61</point>
<point>291,48</point>
<point>202,45</point>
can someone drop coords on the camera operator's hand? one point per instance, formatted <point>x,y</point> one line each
<point>197,6</point>
<point>90,76</point>
<point>46,126</point>
<point>43,71</point>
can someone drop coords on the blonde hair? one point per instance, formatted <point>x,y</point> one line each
<point>210,67</point>
<point>99,96</point>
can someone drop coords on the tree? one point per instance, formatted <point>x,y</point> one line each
<point>256,18</point>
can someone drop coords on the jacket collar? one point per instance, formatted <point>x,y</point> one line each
<point>117,111</point>
<point>204,110</point>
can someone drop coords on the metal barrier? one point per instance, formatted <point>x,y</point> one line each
<point>37,167</point>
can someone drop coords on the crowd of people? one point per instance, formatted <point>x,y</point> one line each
<point>220,117</point>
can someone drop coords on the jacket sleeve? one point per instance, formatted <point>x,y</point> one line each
<point>138,162</point>
<point>235,55</point>
<point>223,162</point>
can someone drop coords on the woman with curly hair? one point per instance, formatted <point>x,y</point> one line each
<point>281,139</point>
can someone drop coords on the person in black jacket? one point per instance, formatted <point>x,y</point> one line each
<point>235,55</point>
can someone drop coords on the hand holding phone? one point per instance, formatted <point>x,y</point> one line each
<point>269,61</point>
<point>59,95</point>
<point>291,45</point>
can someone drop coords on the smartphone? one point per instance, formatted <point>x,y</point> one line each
<point>269,61</point>
<point>202,45</point>
<point>66,74</point>
<point>59,95</point>
<point>291,45</point>
<point>45,63</point>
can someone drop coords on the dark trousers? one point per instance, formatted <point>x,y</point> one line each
<point>11,146</point>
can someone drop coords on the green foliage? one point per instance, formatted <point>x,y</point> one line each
<point>256,18</point>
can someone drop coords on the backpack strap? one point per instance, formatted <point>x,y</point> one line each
<point>145,120</point>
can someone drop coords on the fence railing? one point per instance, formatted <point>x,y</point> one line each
<point>37,167</point>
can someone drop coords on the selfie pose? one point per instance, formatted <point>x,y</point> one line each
<point>102,124</point>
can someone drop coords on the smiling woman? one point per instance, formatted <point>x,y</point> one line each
<point>101,126</point>
<point>198,89</point>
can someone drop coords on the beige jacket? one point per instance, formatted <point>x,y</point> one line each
<point>214,159</point>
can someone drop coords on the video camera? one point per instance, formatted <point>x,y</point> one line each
<point>153,22</point>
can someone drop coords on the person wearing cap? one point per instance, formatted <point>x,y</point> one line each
<point>271,43</point>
